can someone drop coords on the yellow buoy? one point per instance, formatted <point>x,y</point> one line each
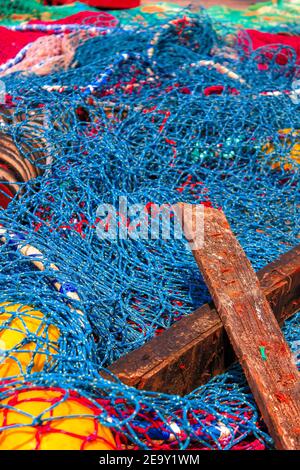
<point>286,152</point>
<point>27,341</point>
<point>65,421</point>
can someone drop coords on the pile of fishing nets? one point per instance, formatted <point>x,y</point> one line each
<point>176,111</point>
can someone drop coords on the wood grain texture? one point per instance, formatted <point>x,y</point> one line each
<point>196,348</point>
<point>251,326</point>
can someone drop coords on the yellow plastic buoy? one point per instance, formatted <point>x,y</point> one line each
<point>27,341</point>
<point>286,152</point>
<point>65,421</point>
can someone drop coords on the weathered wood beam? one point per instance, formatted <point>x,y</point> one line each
<point>251,326</point>
<point>196,348</point>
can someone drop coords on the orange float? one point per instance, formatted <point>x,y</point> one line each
<point>27,341</point>
<point>51,419</point>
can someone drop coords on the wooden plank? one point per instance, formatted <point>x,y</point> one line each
<point>251,326</point>
<point>196,4</point>
<point>195,348</point>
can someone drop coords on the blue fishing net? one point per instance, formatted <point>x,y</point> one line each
<point>179,111</point>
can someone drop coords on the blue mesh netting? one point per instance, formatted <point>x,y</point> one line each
<point>154,131</point>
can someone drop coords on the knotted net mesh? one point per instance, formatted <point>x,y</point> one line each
<point>183,110</point>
